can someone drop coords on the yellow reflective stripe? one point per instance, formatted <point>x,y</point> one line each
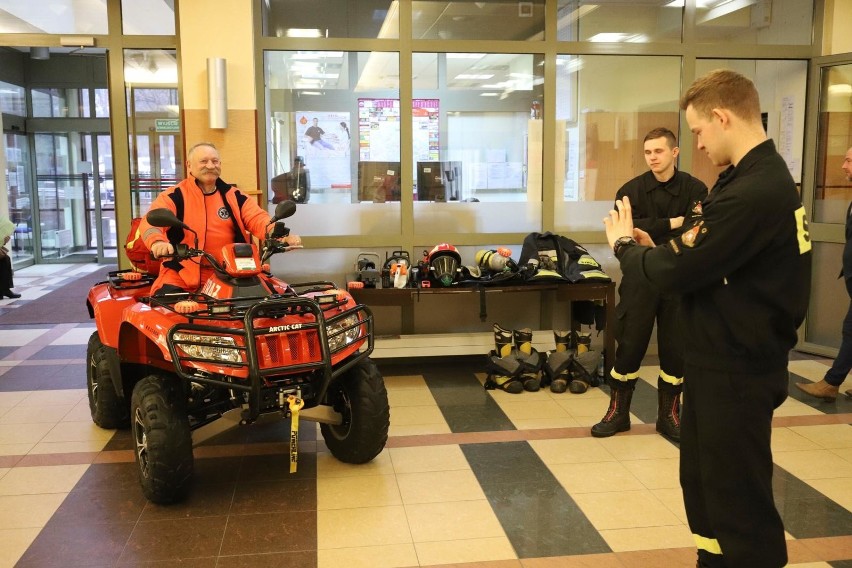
<point>620,377</point>
<point>295,404</point>
<point>671,379</point>
<point>711,545</point>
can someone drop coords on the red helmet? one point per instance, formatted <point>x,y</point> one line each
<point>444,263</point>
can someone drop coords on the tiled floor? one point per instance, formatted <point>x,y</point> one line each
<point>469,478</point>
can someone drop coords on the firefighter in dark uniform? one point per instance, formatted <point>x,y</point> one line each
<point>661,199</point>
<point>743,274</point>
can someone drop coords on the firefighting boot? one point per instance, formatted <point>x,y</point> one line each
<point>557,366</point>
<point>523,340</point>
<point>617,417</point>
<point>502,341</point>
<point>532,360</point>
<point>564,340</point>
<point>668,409</point>
<point>584,341</point>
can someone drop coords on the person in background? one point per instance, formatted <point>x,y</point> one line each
<point>6,282</point>
<point>743,271</point>
<point>660,199</point>
<point>829,386</point>
<point>219,212</point>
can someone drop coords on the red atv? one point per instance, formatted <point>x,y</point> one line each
<point>181,368</point>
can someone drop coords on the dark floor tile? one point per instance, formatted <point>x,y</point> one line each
<point>841,564</point>
<point>644,402</point>
<point>109,476</point>
<point>79,544</point>
<point>34,377</point>
<point>121,440</point>
<point>786,486</point>
<point>217,470</point>
<point>6,351</point>
<point>806,512</point>
<point>60,352</point>
<point>172,539</point>
<point>817,517</point>
<point>302,559</point>
<point>464,402</point>
<point>272,467</point>
<point>203,500</point>
<point>539,517</point>
<point>275,496</point>
<point>102,506</point>
<point>271,532</point>
<point>507,463</point>
<point>68,377</point>
<point>543,521</point>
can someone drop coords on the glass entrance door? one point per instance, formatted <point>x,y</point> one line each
<point>20,198</point>
<point>75,201</point>
<point>830,111</point>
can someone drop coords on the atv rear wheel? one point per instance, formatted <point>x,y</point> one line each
<point>360,396</point>
<point>163,440</point>
<point>107,409</point>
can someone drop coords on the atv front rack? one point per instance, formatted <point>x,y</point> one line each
<point>269,353</point>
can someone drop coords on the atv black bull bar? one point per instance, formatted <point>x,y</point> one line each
<point>361,324</point>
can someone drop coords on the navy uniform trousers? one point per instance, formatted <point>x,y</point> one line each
<point>734,514</point>
<point>639,305</point>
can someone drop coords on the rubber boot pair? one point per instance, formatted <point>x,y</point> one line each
<point>516,365</point>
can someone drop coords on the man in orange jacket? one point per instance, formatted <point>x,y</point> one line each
<point>219,213</point>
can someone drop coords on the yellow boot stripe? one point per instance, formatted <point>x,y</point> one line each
<point>619,377</point>
<point>671,379</point>
<point>711,545</point>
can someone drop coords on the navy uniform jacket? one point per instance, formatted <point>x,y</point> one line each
<point>743,269</point>
<point>654,202</point>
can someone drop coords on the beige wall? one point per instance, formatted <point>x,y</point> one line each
<point>226,32</point>
<point>837,36</point>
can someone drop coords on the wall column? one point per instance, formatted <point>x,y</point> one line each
<point>221,29</point>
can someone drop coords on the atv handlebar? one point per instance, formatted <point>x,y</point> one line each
<point>271,245</point>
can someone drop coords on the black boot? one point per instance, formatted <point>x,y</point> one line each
<point>617,417</point>
<point>668,409</point>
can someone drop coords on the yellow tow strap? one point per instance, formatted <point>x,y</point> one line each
<point>296,404</point>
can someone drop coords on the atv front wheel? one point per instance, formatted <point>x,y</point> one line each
<point>163,440</point>
<point>107,409</point>
<point>360,396</point>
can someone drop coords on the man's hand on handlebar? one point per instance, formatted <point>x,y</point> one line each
<point>162,248</point>
<point>291,242</point>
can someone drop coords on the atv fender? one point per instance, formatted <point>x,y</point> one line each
<point>143,344</point>
<point>111,356</point>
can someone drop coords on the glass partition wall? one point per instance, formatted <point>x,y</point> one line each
<point>523,123</point>
<point>477,123</point>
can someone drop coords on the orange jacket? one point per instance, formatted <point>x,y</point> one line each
<point>187,201</point>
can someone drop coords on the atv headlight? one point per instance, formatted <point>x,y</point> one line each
<point>343,332</point>
<point>211,347</point>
